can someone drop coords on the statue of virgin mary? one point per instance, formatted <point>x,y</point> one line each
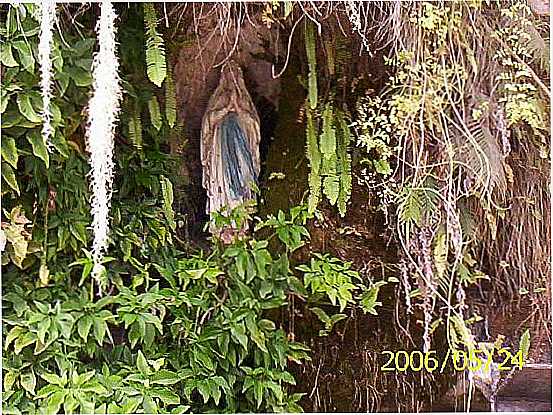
<point>230,143</point>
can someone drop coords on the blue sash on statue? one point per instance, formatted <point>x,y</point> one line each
<point>237,159</point>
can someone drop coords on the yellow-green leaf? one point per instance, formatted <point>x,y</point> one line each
<point>39,147</point>
<point>26,108</point>
<point>525,343</point>
<point>6,55</point>
<point>9,151</point>
<point>155,114</point>
<point>25,55</point>
<point>170,100</point>
<point>9,177</point>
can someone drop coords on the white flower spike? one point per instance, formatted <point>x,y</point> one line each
<point>47,16</point>
<point>102,119</point>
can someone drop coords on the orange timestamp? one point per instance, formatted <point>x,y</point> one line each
<point>473,360</point>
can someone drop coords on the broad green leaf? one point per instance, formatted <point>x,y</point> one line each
<point>9,177</point>
<point>39,146</point>
<point>55,401</point>
<point>84,325</point>
<point>80,76</point>
<point>57,58</point>
<point>203,388</point>
<point>267,325</point>
<point>320,313</point>
<point>525,343</point>
<point>6,55</point>
<point>46,390</point>
<point>63,81</point>
<point>13,334</point>
<point>258,392</point>
<point>100,329</point>
<point>168,397</point>
<point>53,379</point>
<point>26,108</point>
<point>25,55</point>
<point>9,379</point>
<point>65,323</point>
<point>70,403</point>
<point>28,382</point>
<point>4,100</point>
<point>239,334</point>
<point>23,341</point>
<point>43,328</point>
<point>94,387</point>
<point>149,405</point>
<point>142,364</point>
<point>165,377</point>
<point>288,378</point>
<point>79,379</point>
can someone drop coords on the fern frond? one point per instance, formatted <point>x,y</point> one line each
<point>167,192</point>
<point>410,206</point>
<point>155,113</point>
<point>314,157</point>
<point>311,51</point>
<point>330,61</point>
<point>538,47</point>
<point>331,181</point>
<point>344,162</point>
<point>170,99</point>
<point>135,129</point>
<point>327,140</point>
<point>482,156</point>
<point>342,54</point>
<point>155,47</point>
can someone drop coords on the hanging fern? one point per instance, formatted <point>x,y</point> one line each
<point>344,162</point>
<point>135,128</point>
<point>170,99</point>
<point>327,139</point>
<point>167,192</point>
<point>311,52</point>
<point>330,61</point>
<point>329,160</point>
<point>331,181</point>
<point>481,154</point>
<point>155,114</point>
<point>327,145</point>
<point>314,157</point>
<point>155,48</point>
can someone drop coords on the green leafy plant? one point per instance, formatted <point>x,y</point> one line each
<point>328,321</point>
<point>330,277</point>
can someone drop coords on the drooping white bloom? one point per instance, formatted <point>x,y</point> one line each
<point>102,119</point>
<point>47,16</point>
